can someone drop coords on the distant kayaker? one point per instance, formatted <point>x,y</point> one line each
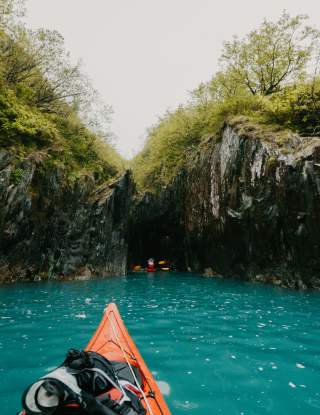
<point>150,265</point>
<point>164,265</point>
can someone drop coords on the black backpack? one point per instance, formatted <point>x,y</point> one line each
<point>80,386</point>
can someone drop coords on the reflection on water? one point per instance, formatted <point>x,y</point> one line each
<point>215,346</point>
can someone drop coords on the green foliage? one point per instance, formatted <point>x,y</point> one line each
<point>164,152</point>
<point>263,87</point>
<point>269,57</point>
<point>22,126</point>
<point>297,107</point>
<point>10,13</point>
<point>16,176</point>
<point>64,140</point>
<point>42,97</point>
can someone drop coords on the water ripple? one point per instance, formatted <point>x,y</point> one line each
<point>214,346</point>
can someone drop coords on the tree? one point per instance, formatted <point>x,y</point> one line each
<point>10,13</point>
<point>225,85</point>
<point>36,65</point>
<point>271,56</point>
<point>60,79</point>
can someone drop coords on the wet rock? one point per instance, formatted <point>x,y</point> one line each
<point>53,229</point>
<point>260,278</point>
<point>209,272</point>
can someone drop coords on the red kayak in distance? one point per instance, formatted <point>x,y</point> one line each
<point>150,265</point>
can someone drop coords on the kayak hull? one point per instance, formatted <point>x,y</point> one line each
<point>113,341</point>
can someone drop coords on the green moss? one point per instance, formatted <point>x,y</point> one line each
<point>16,176</point>
<point>255,128</point>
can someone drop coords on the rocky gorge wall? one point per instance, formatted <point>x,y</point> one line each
<point>50,229</point>
<point>245,206</point>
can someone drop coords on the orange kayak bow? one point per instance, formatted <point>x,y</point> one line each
<point>113,341</point>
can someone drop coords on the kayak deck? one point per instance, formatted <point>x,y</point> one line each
<point>113,341</point>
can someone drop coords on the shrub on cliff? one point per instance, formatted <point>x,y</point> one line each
<point>297,107</point>
<point>164,152</point>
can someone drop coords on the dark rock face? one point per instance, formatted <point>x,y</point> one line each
<point>253,210</point>
<point>244,207</point>
<point>48,229</point>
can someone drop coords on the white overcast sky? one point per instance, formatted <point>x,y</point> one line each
<point>143,56</point>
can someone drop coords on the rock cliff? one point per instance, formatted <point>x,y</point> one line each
<point>247,205</point>
<point>51,228</point>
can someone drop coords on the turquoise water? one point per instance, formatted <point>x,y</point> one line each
<point>217,346</point>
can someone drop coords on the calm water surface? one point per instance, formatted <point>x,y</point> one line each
<point>216,346</point>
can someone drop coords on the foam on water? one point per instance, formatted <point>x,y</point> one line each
<point>214,346</point>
